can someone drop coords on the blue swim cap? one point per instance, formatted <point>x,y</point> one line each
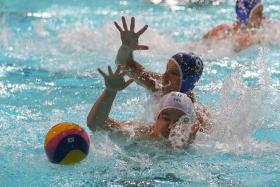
<point>190,67</point>
<point>244,8</point>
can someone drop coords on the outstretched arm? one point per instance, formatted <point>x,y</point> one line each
<point>219,32</point>
<point>98,115</point>
<point>125,58</point>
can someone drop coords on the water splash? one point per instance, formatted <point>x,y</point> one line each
<point>180,134</point>
<point>243,110</point>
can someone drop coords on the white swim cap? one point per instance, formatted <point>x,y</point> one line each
<point>178,101</point>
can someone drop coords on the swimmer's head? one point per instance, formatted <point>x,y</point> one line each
<point>245,8</point>
<point>179,101</point>
<point>190,68</point>
<point>172,107</point>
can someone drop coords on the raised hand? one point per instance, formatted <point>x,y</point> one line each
<point>115,81</point>
<point>129,37</point>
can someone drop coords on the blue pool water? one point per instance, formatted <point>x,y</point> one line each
<point>50,52</point>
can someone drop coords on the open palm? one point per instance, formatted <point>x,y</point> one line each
<point>129,37</point>
<point>114,81</point>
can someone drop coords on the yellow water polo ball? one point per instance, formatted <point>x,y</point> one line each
<point>66,143</point>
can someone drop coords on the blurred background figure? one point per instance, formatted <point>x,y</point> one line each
<point>249,19</point>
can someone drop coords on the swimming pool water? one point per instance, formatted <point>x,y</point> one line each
<point>50,52</point>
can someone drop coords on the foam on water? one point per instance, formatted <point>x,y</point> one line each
<point>245,109</point>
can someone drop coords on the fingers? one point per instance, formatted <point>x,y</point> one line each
<point>141,31</point>
<point>117,72</point>
<point>141,47</point>
<point>132,24</point>
<point>111,73</point>
<point>102,73</point>
<point>110,70</point>
<point>117,26</point>
<point>128,82</point>
<point>124,24</point>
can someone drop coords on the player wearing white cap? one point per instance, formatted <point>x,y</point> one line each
<point>172,107</point>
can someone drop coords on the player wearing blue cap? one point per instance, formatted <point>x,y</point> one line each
<point>249,18</point>
<point>182,72</point>
<point>190,67</point>
<point>249,12</point>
